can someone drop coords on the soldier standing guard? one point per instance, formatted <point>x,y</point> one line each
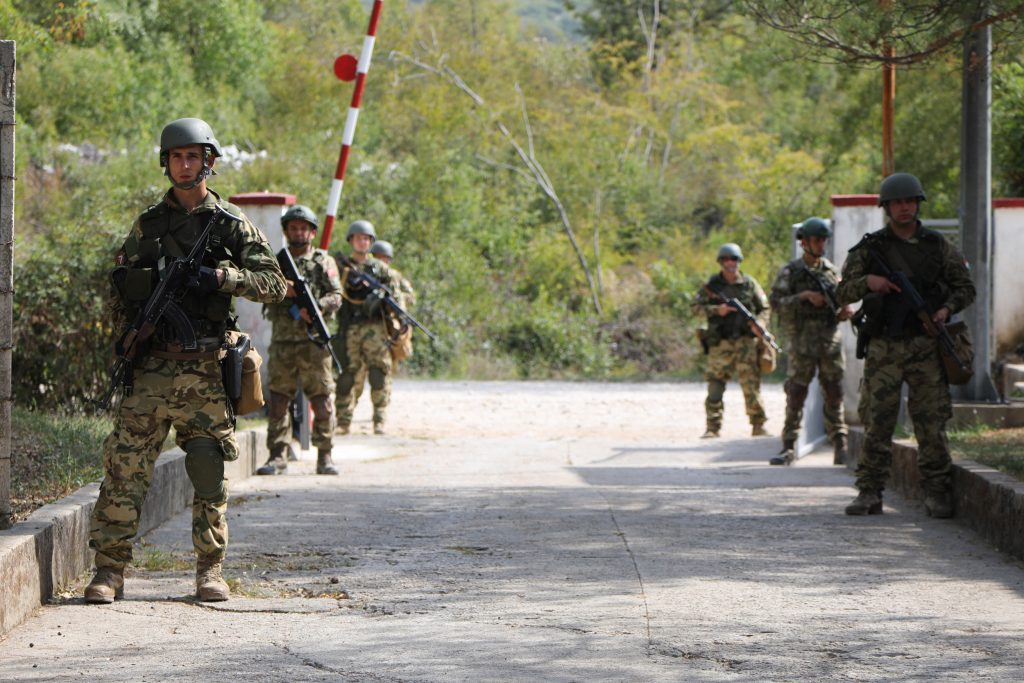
<point>731,340</point>
<point>804,296</point>
<point>900,350</point>
<point>364,331</point>
<point>293,356</point>
<point>173,385</point>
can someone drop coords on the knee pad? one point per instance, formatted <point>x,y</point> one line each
<point>323,406</point>
<point>204,463</point>
<point>833,392</point>
<point>716,390</point>
<point>278,406</point>
<point>377,377</point>
<point>346,382</point>
<point>797,393</point>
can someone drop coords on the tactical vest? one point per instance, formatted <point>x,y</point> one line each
<point>801,281</point>
<point>165,235</point>
<point>733,325</point>
<point>924,260</point>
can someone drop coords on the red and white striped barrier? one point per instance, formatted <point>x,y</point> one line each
<point>347,68</point>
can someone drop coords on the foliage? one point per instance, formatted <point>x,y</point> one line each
<point>998,448</point>
<point>718,135</point>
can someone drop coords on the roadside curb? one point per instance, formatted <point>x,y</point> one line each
<point>988,501</point>
<point>49,550</point>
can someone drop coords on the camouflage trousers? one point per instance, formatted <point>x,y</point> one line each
<point>889,363</point>
<point>308,366</point>
<point>727,359</point>
<point>369,357</point>
<point>828,360</point>
<point>190,396</point>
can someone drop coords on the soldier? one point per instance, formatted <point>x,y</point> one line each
<point>293,356</point>
<point>804,298</point>
<point>364,331</point>
<point>899,349</point>
<point>731,340</point>
<point>172,385</point>
<point>406,297</point>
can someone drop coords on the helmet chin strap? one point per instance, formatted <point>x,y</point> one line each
<point>203,174</point>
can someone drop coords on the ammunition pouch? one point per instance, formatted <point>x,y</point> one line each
<point>767,360</point>
<point>702,337</point>
<point>241,371</point>
<point>964,348</point>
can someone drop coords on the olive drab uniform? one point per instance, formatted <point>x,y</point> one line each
<point>813,344</point>
<point>900,351</point>
<point>732,347</point>
<point>364,331</point>
<point>177,387</point>
<point>405,295</point>
<point>296,359</point>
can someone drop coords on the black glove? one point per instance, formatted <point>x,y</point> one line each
<point>206,281</point>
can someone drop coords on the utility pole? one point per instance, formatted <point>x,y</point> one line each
<point>976,202</point>
<point>7,61</point>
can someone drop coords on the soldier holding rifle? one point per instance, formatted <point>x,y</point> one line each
<point>903,345</point>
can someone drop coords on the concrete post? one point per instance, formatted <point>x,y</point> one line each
<point>7,72</point>
<point>853,216</point>
<point>1008,276</point>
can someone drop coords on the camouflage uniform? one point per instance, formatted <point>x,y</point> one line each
<point>294,357</point>
<point>900,351</point>
<point>813,344</point>
<point>366,349</point>
<point>175,387</point>
<point>732,347</point>
<point>405,295</point>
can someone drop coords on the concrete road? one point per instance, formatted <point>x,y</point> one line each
<point>552,532</point>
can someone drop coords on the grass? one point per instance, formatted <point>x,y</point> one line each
<point>1002,449</point>
<point>52,456</point>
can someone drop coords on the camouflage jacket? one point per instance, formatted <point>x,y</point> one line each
<point>404,293</point>
<point>166,230</point>
<point>320,271</point>
<point>937,270</point>
<point>353,308</point>
<point>804,323</point>
<point>746,290</point>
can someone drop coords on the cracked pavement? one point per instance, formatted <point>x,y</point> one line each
<point>552,532</point>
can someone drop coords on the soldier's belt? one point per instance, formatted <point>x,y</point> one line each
<point>216,354</point>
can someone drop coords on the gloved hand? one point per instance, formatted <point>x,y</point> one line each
<point>372,304</point>
<point>207,280</point>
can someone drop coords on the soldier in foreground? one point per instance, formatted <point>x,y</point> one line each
<point>900,350</point>
<point>364,331</point>
<point>804,297</point>
<point>170,384</point>
<point>293,356</point>
<point>401,349</point>
<point>731,339</point>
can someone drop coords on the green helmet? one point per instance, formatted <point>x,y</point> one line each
<point>361,227</point>
<point>382,248</point>
<point>184,132</point>
<point>900,186</point>
<point>730,249</point>
<point>814,227</point>
<point>300,212</point>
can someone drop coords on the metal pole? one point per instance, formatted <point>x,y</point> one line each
<point>7,63</point>
<point>976,203</point>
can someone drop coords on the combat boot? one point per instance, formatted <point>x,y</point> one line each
<point>324,463</point>
<point>344,427</point>
<point>867,502</point>
<point>277,463</point>
<point>210,584</point>
<point>787,455</point>
<point>758,430</point>
<point>939,505</point>
<point>106,586</point>
<point>378,428</point>
<point>711,433</point>
<point>839,450</point>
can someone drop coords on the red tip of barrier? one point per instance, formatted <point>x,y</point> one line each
<point>345,67</point>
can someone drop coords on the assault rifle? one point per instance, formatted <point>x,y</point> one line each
<point>304,300</point>
<point>911,301</point>
<point>162,308</point>
<point>762,332</point>
<point>359,279</point>
<point>826,288</point>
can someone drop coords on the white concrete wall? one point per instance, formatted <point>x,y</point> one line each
<point>1007,275</point>
<point>853,216</point>
<point>265,212</point>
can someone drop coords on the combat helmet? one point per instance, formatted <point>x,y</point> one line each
<point>301,212</point>
<point>814,227</point>
<point>900,186</point>
<point>361,227</point>
<point>730,249</point>
<point>382,248</point>
<point>184,132</point>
